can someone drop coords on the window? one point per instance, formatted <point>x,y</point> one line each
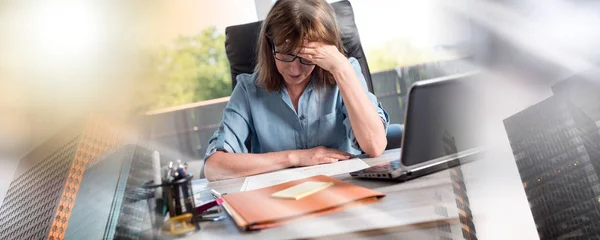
<point>415,40</point>
<point>596,188</point>
<point>593,178</point>
<point>190,37</point>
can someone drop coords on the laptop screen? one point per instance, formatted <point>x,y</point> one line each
<point>441,119</point>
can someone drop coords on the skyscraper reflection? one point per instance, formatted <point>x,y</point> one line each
<point>556,144</point>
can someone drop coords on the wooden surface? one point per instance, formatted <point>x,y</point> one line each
<point>423,208</point>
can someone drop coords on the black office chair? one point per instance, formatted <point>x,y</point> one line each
<point>240,45</point>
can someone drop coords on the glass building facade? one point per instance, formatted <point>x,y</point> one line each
<point>107,206</point>
<point>40,198</point>
<point>556,144</point>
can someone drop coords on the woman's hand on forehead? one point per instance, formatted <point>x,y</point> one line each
<point>324,55</point>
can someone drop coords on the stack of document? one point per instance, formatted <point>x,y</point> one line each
<point>270,179</point>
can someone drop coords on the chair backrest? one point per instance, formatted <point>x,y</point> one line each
<point>240,43</point>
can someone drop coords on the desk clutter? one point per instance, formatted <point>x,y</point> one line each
<point>173,209</point>
<point>176,209</point>
<point>258,209</point>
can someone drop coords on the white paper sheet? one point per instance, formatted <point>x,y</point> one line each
<point>274,178</point>
<point>201,191</point>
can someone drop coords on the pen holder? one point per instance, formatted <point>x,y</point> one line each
<point>178,201</point>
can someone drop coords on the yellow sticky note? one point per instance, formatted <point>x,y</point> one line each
<point>302,190</point>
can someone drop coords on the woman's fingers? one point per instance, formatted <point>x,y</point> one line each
<point>329,160</point>
<point>311,48</point>
<point>321,52</point>
<point>304,55</point>
<point>343,153</point>
<point>337,156</point>
<point>313,45</point>
<point>306,52</point>
<point>336,153</point>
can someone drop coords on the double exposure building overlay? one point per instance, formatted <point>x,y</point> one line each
<point>107,206</point>
<point>556,145</point>
<point>42,194</point>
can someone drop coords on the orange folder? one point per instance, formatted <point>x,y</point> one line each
<point>257,209</point>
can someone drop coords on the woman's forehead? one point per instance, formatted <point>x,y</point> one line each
<point>286,45</point>
<point>290,44</point>
<point>287,42</point>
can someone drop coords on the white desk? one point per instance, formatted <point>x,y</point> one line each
<point>423,208</point>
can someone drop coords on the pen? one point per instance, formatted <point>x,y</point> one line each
<point>202,208</point>
<point>215,193</point>
<point>170,172</point>
<point>177,174</point>
<point>187,200</point>
<point>212,219</point>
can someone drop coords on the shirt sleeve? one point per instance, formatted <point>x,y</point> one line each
<point>372,98</point>
<point>235,128</point>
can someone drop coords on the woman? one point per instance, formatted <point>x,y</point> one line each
<point>305,104</point>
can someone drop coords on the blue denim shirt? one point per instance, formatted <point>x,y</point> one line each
<point>271,124</point>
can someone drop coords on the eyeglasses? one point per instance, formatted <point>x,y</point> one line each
<point>286,57</point>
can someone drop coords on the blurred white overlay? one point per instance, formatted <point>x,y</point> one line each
<point>60,60</point>
<point>562,33</point>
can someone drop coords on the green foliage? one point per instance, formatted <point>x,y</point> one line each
<point>194,69</point>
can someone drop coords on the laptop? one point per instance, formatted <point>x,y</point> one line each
<point>442,126</point>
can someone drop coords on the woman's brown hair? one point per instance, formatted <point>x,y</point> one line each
<point>290,24</point>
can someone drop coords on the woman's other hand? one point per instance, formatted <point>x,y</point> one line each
<point>317,155</point>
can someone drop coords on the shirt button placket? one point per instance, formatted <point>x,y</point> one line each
<point>304,131</point>
<point>299,136</point>
<point>302,105</point>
